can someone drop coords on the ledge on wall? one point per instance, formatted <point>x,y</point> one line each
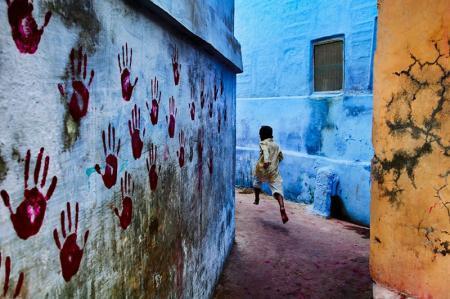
<point>203,25</point>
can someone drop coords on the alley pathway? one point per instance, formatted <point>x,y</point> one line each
<point>308,257</point>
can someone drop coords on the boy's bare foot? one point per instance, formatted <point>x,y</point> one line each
<point>284,216</point>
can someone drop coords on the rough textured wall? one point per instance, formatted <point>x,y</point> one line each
<point>410,221</point>
<point>113,133</point>
<point>210,20</point>
<point>314,130</point>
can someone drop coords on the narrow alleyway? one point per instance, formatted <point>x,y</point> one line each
<point>309,257</point>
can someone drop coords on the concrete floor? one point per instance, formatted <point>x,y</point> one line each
<point>308,257</point>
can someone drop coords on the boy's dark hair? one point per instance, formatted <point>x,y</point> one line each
<point>265,132</point>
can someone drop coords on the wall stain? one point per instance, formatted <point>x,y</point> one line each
<point>15,155</point>
<point>3,168</point>
<point>426,133</point>
<point>423,83</point>
<point>354,111</point>
<point>318,124</point>
<point>82,15</point>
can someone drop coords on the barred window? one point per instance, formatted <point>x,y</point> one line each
<point>328,65</point>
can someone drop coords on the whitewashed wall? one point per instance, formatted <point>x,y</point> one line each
<point>180,233</point>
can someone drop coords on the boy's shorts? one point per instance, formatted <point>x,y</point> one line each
<point>276,186</point>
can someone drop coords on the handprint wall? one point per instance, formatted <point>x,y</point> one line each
<point>112,199</point>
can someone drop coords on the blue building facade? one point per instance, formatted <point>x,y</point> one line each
<point>316,130</point>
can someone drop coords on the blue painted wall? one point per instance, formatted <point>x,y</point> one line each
<point>276,89</point>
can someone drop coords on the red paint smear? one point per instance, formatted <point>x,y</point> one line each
<point>134,126</point>
<point>24,29</point>
<point>70,254</point>
<point>180,152</point>
<point>176,67</point>
<point>127,190</point>
<point>200,159</point>
<point>79,100</point>
<point>124,68</point>
<point>152,168</point>
<point>432,207</point>
<point>30,213</point>
<point>170,119</point>
<point>111,154</point>
<point>156,99</point>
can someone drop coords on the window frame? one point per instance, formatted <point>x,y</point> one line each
<point>321,41</point>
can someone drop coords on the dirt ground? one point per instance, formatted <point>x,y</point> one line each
<point>308,257</point>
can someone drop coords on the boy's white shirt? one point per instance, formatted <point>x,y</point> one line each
<point>269,153</point>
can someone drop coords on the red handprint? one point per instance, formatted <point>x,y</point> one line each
<point>192,104</point>
<point>176,66</point>
<point>79,100</point>
<point>219,118</point>
<point>200,159</point>
<point>156,99</point>
<point>202,93</point>
<point>70,254</point>
<point>125,68</point>
<point>134,126</point>
<point>151,167</point>
<point>29,215</point>
<point>170,119</point>
<point>180,153</point>
<point>7,275</point>
<point>210,160</point>
<point>111,154</point>
<point>127,189</point>
<point>24,29</point>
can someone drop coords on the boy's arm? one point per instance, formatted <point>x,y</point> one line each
<point>280,156</point>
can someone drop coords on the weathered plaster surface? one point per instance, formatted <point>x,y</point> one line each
<point>210,20</point>
<point>180,233</point>
<point>313,130</point>
<point>410,218</point>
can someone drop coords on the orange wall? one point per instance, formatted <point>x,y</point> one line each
<point>410,212</point>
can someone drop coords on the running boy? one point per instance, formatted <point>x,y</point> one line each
<point>266,169</point>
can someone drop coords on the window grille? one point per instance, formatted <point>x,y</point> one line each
<point>328,66</point>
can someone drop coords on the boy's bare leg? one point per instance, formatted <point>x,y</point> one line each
<point>257,192</point>
<point>280,200</point>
